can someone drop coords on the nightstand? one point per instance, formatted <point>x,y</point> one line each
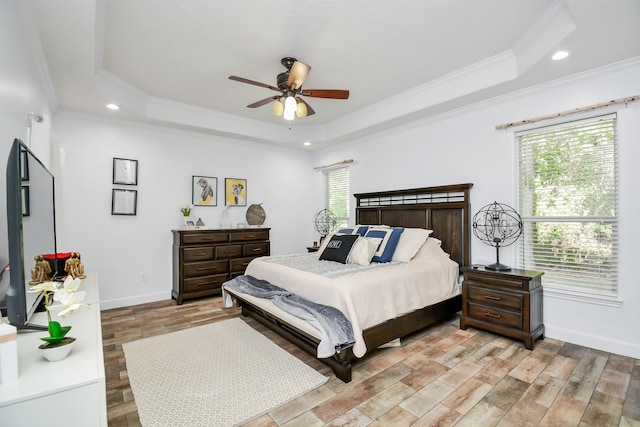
<point>312,249</point>
<point>504,302</point>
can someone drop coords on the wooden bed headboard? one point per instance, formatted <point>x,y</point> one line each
<point>444,209</point>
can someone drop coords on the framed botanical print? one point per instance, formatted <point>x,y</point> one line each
<point>125,171</point>
<point>124,202</point>
<point>235,191</point>
<point>204,190</point>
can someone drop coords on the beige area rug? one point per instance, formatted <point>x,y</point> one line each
<point>221,374</point>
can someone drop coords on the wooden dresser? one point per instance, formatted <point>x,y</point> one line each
<point>504,302</point>
<point>203,259</point>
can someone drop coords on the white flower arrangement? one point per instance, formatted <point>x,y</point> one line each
<point>69,300</point>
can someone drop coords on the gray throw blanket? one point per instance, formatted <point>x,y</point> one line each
<point>335,329</point>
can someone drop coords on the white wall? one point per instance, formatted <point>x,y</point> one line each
<point>463,146</point>
<point>122,248</point>
<point>24,89</point>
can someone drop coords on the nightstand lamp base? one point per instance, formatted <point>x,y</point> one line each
<point>498,267</point>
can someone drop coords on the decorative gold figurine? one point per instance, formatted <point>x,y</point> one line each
<point>74,267</point>
<point>41,272</point>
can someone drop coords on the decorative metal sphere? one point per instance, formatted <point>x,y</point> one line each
<point>497,225</point>
<point>325,222</point>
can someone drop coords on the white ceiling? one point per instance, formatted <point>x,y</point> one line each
<point>168,61</point>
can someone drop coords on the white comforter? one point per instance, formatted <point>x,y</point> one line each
<point>372,296</point>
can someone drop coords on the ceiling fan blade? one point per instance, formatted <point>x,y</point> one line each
<point>298,73</point>
<point>326,93</point>
<point>252,82</point>
<point>310,110</point>
<point>263,102</point>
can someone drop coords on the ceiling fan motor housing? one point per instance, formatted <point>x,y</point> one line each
<point>283,80</point>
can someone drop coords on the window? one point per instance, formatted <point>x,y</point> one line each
<point>336,190</point>
<point>568,202</point>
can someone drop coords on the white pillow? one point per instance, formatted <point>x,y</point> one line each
<point>432,247</point>
<point>411,240</point>
<point>363,250</point>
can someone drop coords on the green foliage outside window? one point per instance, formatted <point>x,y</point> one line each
<point>568,202</point>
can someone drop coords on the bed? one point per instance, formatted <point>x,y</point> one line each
<point>442,209</point>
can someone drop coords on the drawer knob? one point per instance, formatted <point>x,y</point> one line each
<point>256,249</point>
<point>496,316</point>
<point>491,297</point>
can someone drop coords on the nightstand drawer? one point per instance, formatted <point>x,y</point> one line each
<point>493,298</point>
<point>501,282</point>
<point>204,283</point>
<point>496,317</point>
<point>206,268</point>
<point>198,254</point>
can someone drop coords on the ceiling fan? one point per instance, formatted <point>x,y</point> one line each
<point>290,88</point>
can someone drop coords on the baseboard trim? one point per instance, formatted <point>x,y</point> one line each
<point>139,299</point>
<point>593,341</point>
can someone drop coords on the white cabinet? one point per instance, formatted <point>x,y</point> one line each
<point>71,392</point>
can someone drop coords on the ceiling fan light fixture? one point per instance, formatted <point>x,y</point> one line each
<point>289,108</point>
<point>298,73</point>
<point>301,110</point>
<point>277,108</point>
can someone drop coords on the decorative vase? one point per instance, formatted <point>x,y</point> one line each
<point>56,352</point>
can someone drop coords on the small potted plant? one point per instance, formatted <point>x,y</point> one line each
<point>57,345</point>
<point>186,210</point>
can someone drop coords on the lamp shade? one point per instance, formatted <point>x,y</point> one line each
<point>301,110</point>
<point>277,108</point>
<point>289,108</point>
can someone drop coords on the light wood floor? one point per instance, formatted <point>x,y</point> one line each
<point>442,376</point>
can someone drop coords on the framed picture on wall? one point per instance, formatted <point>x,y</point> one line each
<point>25,201</point>
<point>235,191</point>
<point>125,171</point>
<point>124,202</point>
<point>204,190</point>
<point>24,165</point>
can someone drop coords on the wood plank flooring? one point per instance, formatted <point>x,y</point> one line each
<point>442,376</point>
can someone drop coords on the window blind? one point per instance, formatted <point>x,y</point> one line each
<point>568,203</point>
<point>337,193</point>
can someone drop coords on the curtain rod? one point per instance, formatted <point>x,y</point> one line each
<point>344,162</point>
<point>568,112</point>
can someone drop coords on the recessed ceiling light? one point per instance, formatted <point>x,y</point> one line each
<point>307,143</point>
<point>113,107</point>
<point>561,54</point>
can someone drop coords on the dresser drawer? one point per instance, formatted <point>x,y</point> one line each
<point>228,251</point>
<point>206,268</point>
<point>240,265</point>
<point>198,238</point>
<point>256,249</point>
<point>245,236</point>
<point>493,298</point>
<point>204,283</point>
<point>198,254</point>
<point>505,318</point>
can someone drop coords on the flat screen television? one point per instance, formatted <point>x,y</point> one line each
<point>31,223</point>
